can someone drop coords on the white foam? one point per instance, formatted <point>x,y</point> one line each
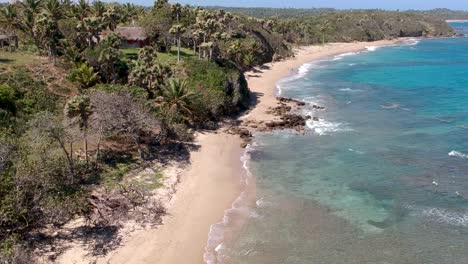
<point>372,48</point>
<point>348,90</point>
<point>323,127</point>
<point>341,56</point>
<point>411,42</point>
<point>356,151</point>
<point>217,231</point>
<point>301,72</point>
<point>455,153</point>
<point>304,69</point>
<point>261,203</point>
<point>446,216</point>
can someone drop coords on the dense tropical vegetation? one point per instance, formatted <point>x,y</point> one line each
<point>78,111</point>
<point>261,12</point>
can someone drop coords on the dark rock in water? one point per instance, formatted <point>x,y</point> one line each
<point>318,107</point>
<point>244,133</point>
<point>294,120</point>
<point>308,117</point>
<point>290,100</point>
<point>316,119</point>
<point>244,144</point>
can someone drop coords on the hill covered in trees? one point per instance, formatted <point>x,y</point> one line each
<point>362,26</point>
<point>441,13</point>
<point>79,109</point>
<point>446,14</point>
<point>264,12</point>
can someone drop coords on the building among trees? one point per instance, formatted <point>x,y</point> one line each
<point>133,37</point>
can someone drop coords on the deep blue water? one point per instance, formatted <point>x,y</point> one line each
<point>381,178</point>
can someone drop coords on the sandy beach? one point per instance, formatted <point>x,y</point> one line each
<point>213,181</point>
<point>263,82</point>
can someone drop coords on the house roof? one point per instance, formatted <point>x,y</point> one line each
<point>130,33</point>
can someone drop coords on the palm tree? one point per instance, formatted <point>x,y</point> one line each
<point>112,17</point>
<point>47,29</point>
<point>81,10</point>
<point>158,4</point>
<point>228,18</point>
<point>147,73</point>
<point>235,51</point>
<point>176,10</point>
<point>249,60</point>
<point>176,98</point>
<point>84,76</point>
<point>177,30</point>
<point>197,35</point>
<point>324,27</point>
<point>98,8</point>
<point>207,46</point>
<point>130,12</point>
<point>79,107</point>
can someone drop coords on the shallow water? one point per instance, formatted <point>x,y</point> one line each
<point>381,178</point>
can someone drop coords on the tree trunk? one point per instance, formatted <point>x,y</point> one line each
<point>85,132</point>
<point>204,50</point>
<point>98,148</point>
<point>178,49</point>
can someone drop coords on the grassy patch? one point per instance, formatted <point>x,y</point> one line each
<point>156,182</point>
<point>165,57</point>
<point>116,174</point>
<point>8,58</point>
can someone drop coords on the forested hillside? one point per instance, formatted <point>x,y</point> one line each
<point>442,13</point>
<point>362,26</point>
<point>447,14</point>
<point>81,105</point>
<point>260,12</point>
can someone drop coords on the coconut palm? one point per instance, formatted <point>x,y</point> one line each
<point>98,8</point>
<point>158,4</point>
<point>176,98</point>
<point>176,10</point>
<point>324,27</point>
<point>146,72</point>
<point>84,76</point>
<point>249,60</point>
<point>227,20</point>
<point>207,46</point>
<point>177,30</point>
<point>79,108</point>
<point>81,10</point>
<point>130,12</point>
<point>197,36</point>
<point>235,51</point>
<point>112,16</point>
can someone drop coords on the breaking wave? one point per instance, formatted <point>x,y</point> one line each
<point>455,153</point>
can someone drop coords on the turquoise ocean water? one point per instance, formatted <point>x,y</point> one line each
<point>381,178</point>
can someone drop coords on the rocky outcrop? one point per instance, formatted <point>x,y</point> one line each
<point>284,116</point>
<point>237,89</point>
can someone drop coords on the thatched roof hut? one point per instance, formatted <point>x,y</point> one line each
<point>133,36</point>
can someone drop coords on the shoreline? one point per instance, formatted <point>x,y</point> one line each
<point>211,185</point>
<point>456,20</point>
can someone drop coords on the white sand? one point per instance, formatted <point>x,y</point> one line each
<point>213,181</point>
